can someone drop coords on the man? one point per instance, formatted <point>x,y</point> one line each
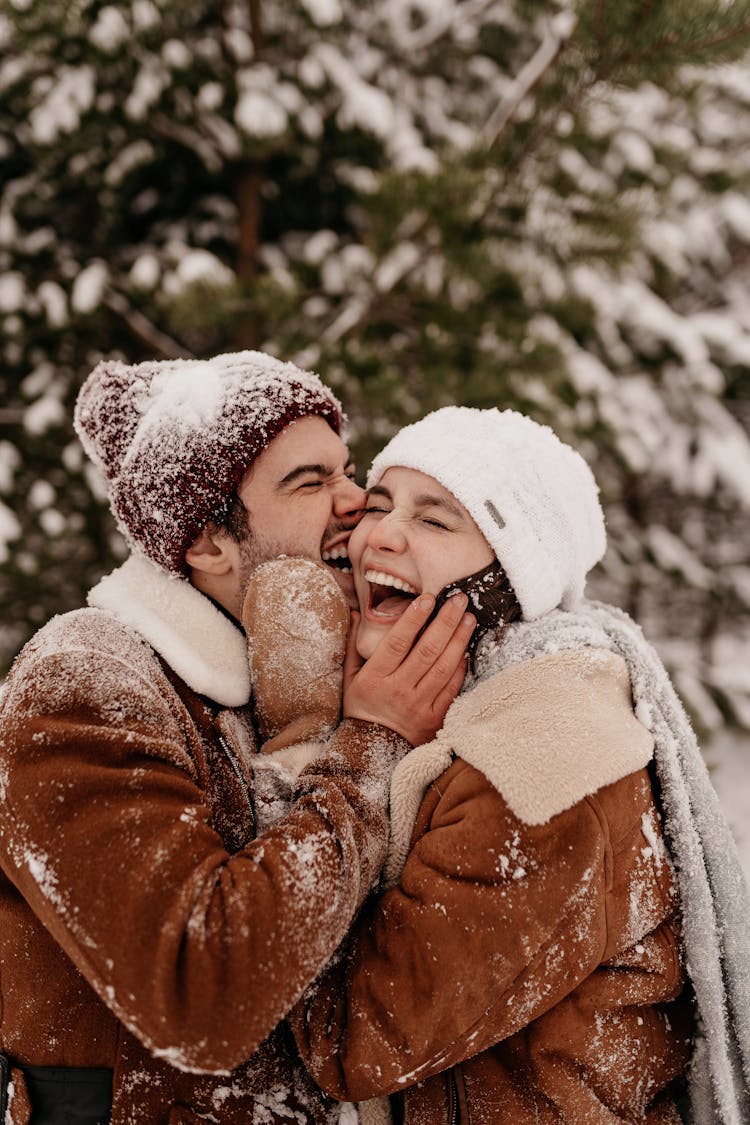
<point>149,943</point>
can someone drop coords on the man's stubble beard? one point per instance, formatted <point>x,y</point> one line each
<point>254,551</point>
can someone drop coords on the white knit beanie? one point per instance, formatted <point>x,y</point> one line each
<point>533,498</point>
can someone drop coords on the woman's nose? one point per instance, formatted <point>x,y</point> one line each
<point>386,534</point>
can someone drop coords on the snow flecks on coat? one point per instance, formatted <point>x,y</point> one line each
<point>713,892</point>
<point>515,921</point>
<point>271,1107</point>
<point>43,876</point>
<point>656,847</point>
<point>512,862</point>
<point>100,742</point>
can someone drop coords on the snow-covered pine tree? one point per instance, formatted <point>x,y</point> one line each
<point>526,202</point>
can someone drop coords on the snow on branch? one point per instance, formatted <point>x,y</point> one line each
<point>159,342</point>
<point>558,33</point>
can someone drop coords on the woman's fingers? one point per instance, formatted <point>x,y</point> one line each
<point>409,686</point>
<point>443,642</point>
<point>447,693</point>
<point>438,675</point>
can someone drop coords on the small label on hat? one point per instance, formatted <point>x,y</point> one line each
<point>495,514</point>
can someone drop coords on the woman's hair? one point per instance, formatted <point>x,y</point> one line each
<point>492,600</point>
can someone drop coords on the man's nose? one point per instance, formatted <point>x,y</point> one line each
<point>349,499</point>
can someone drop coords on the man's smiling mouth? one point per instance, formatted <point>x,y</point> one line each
<point>338,558</point>
<point>389,596</point>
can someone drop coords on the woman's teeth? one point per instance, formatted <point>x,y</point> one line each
<point>379,578</point>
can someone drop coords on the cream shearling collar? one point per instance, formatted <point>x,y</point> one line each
<point>183,626</point>
<point>545,733</point>
<point>550,732</point>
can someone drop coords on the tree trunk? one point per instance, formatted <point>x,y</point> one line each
<point>249,187</point>
<point>249,210</point>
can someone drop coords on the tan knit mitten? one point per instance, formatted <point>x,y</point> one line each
<point>296,620</point>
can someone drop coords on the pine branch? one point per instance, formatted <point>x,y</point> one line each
<point>158,342</point>
<point>429,35</point>
<point>357,312</point>
<point>255,13</point>
<point>190,139</point>
<point>352,316</point>
<point>599,21</point>
<point>669,48</point>
<point>557,35</point>
<point>536,138</point>
<point>702,45</point>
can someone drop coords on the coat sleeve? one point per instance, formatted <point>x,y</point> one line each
<point>107,832</point>
<point>492,923</point>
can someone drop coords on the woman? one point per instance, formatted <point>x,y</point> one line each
<point>526,961</point>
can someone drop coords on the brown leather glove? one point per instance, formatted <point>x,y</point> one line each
<point>296,620</point>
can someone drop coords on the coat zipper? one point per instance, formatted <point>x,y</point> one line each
<point>459,1112</point>
<point>239,773</point>
<point>454,1113</point>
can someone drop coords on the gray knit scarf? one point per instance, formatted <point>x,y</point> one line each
<point>714,896</point>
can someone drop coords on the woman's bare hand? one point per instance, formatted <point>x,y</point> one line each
<point>406,686</point>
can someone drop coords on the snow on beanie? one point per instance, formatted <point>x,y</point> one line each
<point>175,437</point>
<point>533,498</point>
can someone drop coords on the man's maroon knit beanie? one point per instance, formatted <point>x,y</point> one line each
<point>174,438</point>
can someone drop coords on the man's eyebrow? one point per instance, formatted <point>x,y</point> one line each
<point>302,470</point>
<point>317,469</point>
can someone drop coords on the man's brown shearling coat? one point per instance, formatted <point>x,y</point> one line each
<point>142,926</point>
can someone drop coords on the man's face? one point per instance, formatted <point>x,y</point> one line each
<point>301,499</point>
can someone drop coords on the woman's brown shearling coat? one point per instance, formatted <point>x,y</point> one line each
<point>525,966</point>
<point>170,959</point>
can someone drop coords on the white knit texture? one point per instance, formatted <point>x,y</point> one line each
<point>532,496</point>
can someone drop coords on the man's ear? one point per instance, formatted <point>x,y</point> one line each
<point>211,553</point>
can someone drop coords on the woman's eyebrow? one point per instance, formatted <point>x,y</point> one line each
<point>422,500</point>
<point>429,500</point>
<point>379,490</point>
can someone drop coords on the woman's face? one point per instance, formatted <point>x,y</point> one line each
<point>414,538</point>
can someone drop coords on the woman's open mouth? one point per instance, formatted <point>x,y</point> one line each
<point>388,596</point>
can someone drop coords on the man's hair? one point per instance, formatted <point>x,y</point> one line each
<point>233,520</point>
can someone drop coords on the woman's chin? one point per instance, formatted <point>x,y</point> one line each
<point>369,637</point>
